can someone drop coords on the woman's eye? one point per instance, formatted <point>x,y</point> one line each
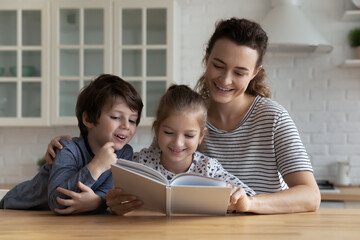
<point>239,74</point>
<point>218,66</point>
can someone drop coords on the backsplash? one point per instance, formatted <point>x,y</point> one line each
<point>322,98</point>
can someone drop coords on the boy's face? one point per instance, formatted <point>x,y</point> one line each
<point>117,124</point>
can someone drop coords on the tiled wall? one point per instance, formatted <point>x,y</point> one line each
<point>322,98</point>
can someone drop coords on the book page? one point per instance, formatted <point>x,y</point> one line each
<point>150,191</point>
<point>194,179</point>
<point>143,170</point>
<point>200,200</point>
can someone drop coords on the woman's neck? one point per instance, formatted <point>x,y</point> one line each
<point>227,116</point>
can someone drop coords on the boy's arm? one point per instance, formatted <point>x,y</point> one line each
<point>66,172</point>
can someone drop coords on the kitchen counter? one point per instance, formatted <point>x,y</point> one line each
<point>351,193</point>
<point>324,224</point>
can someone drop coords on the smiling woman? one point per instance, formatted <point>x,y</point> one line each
<point>252,136</point>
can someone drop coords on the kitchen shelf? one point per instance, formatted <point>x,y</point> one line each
<point>351,63</point>
<point>351,15</point>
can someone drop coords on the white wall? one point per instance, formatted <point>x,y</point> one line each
<point>322,98</point>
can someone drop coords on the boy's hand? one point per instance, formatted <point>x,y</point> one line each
<point>54,143</point>
<point>102,161</point>
<point>239,201</point>
<point>120,203</point>
<point>84,201</point>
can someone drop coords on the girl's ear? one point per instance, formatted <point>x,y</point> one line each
<point>202,135</point>
<point>86,121</point>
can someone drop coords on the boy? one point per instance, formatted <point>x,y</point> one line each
<point>108,111</point>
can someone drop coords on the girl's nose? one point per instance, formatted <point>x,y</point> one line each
<point>179,141</point>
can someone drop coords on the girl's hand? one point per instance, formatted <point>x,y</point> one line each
<point>120,203</point>
<point>54,143</point>
<point>239,201</point>
<point>84,201</point>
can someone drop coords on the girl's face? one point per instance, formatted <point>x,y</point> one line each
<point>229,70</point>
<point>178,138</point>
<point>117,124</point>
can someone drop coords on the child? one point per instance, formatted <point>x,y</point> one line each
<point>179,129</point>
<point>108,111</point>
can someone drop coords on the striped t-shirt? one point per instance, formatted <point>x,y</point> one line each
<point>264,147</point>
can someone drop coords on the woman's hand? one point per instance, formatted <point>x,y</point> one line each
<point>54,143</point>
<point>239,201</point>
<point>120,203</point>
<point>84,201</point>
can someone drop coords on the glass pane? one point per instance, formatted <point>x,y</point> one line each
<point>154,91</point>
<point>8,28</point>
<point>31,28</point>
<point>69,26</point>
<point>7,63</point>
<point>94,62</point>
<point>31,66</point>
<point>68,96</point>
<point>131,63</point>
<point>69,62</point>
<point>31,99</point>
<point>131,26</point>
<point>156,26</point>
<point>156,63</point>
<point>94,26</point>
<point>8,99</point>
<point>86,82</point>
<point>137,85</point>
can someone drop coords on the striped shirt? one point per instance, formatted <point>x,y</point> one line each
<point>264,147</point>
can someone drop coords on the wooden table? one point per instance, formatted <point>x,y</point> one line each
<point>325,224</point>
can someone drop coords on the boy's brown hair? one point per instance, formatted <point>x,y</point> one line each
<point>104,88</point>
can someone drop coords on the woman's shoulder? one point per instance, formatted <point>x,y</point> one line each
<point>268,106</point>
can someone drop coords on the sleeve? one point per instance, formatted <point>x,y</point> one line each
<point>68,169</point>
<point>217,171</point>
<point>290,152</point>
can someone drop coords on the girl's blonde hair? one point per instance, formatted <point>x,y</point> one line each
<point>180,98</point>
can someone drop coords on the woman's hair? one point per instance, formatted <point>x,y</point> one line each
<point>180,98</point>
<point>105,88</point>
<point>245,33</point>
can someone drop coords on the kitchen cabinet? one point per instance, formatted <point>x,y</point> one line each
<point>42,71</point>
<point>143,49</point>
<point>81,48</point>
<point>24,69</point>
<point>351,15</point>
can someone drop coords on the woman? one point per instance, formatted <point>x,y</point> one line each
<point>253,137</point>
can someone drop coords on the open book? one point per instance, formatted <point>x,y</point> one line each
<point>186,193</point>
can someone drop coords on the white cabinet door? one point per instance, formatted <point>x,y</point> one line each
<point>81,47</point>
<point>143,49</point>
<point>24,57</point>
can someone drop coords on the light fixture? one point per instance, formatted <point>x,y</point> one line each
<point>290,31</point>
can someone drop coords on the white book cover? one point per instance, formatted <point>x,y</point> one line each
<point>186,193</point>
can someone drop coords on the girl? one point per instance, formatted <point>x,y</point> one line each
<point>179,129</point>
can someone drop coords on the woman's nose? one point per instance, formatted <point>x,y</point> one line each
<point>227,78</point>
